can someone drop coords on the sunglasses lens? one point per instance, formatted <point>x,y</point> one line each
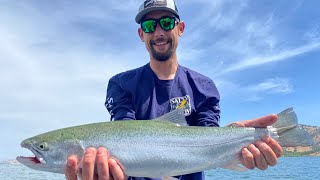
<point>167,23</point>
<point>149,26</point>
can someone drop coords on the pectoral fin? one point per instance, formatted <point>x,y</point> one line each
<point>236,167</point>
<point>169,178</point>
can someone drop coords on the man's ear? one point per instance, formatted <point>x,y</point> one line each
<point>140,33</point>
<point>181,27</point>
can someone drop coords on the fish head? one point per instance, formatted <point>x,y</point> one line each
<point>50,152</point>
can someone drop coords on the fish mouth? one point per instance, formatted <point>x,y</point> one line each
<point>36,160</point>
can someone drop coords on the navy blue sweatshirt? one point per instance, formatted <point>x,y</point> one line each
<point>139,94</point>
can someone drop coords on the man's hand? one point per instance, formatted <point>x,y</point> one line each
<point>106,168</point>
<point>264,152</point>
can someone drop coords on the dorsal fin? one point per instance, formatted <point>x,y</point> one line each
<point>175,116</point>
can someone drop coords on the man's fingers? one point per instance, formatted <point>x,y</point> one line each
<point>262,121</point>
<point>106,168</point>
<point>259,158</point>
<point>264,152</point>
<point>274,145</point>
<point>247,159</point>
<point>71,168</point>
<point>102,164</point>
<point>116,171</point>
<point>88,164</point>
<point>240,124</point>
<point>269,155</point>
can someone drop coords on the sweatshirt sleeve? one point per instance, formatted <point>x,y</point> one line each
<point>208,114</point>
<point>207,104</point>
<point>119,101</point>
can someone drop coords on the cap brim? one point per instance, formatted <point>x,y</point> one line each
<point>141,14</point>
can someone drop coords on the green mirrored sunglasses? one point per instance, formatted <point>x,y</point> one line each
<point>167,23</point>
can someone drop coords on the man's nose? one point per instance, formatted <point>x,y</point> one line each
<point>159,31</point>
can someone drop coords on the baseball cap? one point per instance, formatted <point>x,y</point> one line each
<point>153,5</point>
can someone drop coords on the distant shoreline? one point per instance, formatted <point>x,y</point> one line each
<point>301,154</point>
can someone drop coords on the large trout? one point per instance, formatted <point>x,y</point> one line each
<point>159,147</point>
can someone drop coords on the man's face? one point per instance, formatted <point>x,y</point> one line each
<point>161,44</point>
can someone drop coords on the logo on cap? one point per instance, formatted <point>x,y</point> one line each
<point>150,3</point>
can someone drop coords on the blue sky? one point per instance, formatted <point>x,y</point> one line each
<point>56,58</point>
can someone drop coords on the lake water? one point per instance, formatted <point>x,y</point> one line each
<point>297,168</point>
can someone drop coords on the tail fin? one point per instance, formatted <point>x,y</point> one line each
<point>290,133</point>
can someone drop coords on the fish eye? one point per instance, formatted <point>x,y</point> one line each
<point>43,146</point>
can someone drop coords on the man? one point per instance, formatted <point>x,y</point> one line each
<point>163,85</point>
